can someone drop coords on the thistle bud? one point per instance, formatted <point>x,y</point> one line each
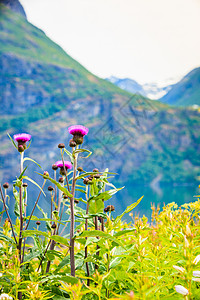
<point>78,139</point>
<point>50,188</point>
<point>95,170</point>
<point>72,143</point>
<point>61,179</point>
<point>61,145</point>
<point>97,176</point>
<point>6,185</point>
<point>45,174</point>
<point>38,223</point>
<point>54,167</point>
<point>109,208</point>
<point>53,226</point>
<point>20,148</point>
<point>85,181</point>
<point>80,169</point>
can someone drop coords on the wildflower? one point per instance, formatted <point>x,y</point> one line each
<point>78,132</point>
<point>181,290</point>
<point>21,139</point>
<point>196,260</point>
<point>181,269</point>
<point>5,297</point>
<point>59,164</point>
<point>196,273</point>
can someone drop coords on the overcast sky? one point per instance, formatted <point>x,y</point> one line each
<point>146,40</point>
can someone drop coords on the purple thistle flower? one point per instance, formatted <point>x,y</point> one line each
<point>59,164</point>
<point>22,137</point>
<point>78,129</point>
<point>78,132</point>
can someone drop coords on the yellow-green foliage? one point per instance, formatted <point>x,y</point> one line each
<point>142,260</point>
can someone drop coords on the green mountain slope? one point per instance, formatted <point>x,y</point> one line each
<point>186,92</point>
<point>44,90</point>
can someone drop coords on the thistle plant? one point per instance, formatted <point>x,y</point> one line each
<point>98,256</point>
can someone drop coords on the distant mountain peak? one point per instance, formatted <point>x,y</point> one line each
<point>14,5</point>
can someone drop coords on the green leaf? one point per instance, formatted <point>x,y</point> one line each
<point>91,173</point>
<point>16,206</point>
<point>82,150</point>
<point>95,233</point>
<point>127,210</point>
<point>34,232</point>
<point>22,173</point>
<point>70,155</point>
<point>48,224</point>
<point>105,195</point>
<point>12,140</point>
<point>31,255</point>
<point>6,238</point>
<point>58,277</point>
<point>96,206</point>
<point>35,183</point>
<point>64,190</point>
<point>82,191</point>
<point>64,262</point>
<point>30,159</point>
<point>60,239</point>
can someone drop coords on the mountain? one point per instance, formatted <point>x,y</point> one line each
<point>151,90</point>
<point>44,90</point>
<point>127,84</point>
<point>186,92</point>
<point>15,6</point>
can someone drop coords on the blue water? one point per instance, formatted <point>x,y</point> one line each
<point>125,197</point>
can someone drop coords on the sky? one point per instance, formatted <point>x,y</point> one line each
<point>146,40</point>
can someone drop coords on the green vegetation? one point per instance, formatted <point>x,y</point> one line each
<point>186,92</point>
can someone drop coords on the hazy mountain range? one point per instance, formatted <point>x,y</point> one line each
<point>44,90</point>
<point>151,90</point>
<point>185,92</point>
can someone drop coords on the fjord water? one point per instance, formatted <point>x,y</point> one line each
<point>166,194</point>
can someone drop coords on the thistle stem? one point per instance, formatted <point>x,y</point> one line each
<point>96,228</point>
<point>4,204</point>
<point>20,209</point>
<point>86,228</point>
<point>35,205</point>
<point>72,259</point>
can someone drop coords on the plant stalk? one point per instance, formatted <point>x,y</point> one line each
<point>20,210</point>
<point>86,228</point>
<point>4,204</point>
<point>36,202</point>
<point>72,258</point>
